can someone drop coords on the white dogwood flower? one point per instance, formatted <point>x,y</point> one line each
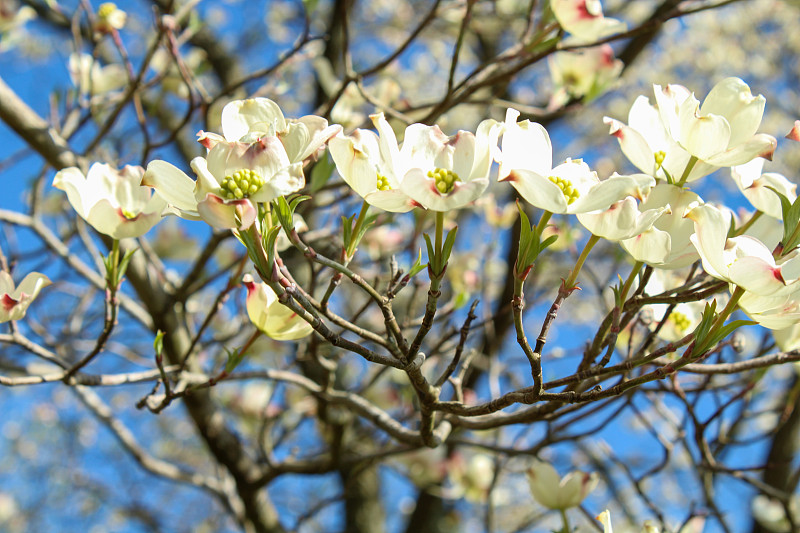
<point>371,165</point>
<point>14,301</point>
<point>112,201</point>
<point>273,318</point>
<point>558,493</point>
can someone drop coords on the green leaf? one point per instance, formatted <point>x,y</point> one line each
<point>297,200</point>
<point>347,230</point>
<point>269,246</point>
<point>158,343</point>
<point>417,267</point>
<point>547,242</point>
<point>123,265</point>
<point>447,247</point>
<point>431,254</point>
<point>543,46</point>
<point>283,211</point>
<point>323,170</point>
<point>234,358</point>
<point>703,342</point>
<point>791,219</point>
<point>730,327</point>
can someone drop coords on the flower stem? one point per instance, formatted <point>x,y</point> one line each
<point>570,282</point>
<point>688,170</point>
<point>112,280</point>
<point>747,225</point>
<point>623,295</point>
<point>439,235</point>
<point>565,520</point>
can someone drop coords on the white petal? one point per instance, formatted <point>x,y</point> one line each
<point>172,185</point>
<point>711,235</point>
<point>544,483</point>
<point>525,146</point>
<point>354,164</point>
<point>761,145</point>
<point>633,145</point>
<point>227,214</point>
<point>110,220</point>
<point>604,193</point>
<point>207,181</point>
<point>394,200</point>
<point>703,136</point>
<point>72,181</point>
<point>285,181</point>
<point>731,98</point>
<point>652,247</point>
<point>241,117</point>
<point>422,190</point>
<point>538,190</point>
<point>621,221</point>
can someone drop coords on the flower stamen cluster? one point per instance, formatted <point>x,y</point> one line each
<point>445,179</point>
<point>383,183</point>
<point>570,193</point>
<point>105,10</point>
<point>659,157</point>
<point>241,184</point>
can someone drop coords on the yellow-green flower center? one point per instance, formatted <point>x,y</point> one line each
<point>130,215</point>
<point>444,179</point>
<point>680,320</point>
<point>241,184</point>
<point>659,157</point>
<point>105,10</point>
<point>383,183</point>
<point>570,193</point>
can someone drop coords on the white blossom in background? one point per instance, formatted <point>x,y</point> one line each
<point>720,132</point>
<point>526,157</point>
<point>584,20</point>
<point>496,215</point>
<point>164,66</point>
<point>585,74</point>
<point>92,78</point>
<point>471,478</point>
<point>112,201</point>
<point>771,514</point>
<point>372,166</point>
<point>558,493</point>
<point>109,18</point>
<point>13,17</point>
<point>684,317</point>
<point>757,187</point>
<point>14,300</point>
<point>667,243</point>
<point>443,173</point>
<point>270,316</point>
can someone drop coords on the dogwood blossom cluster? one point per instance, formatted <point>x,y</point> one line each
<point>654,215</point>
